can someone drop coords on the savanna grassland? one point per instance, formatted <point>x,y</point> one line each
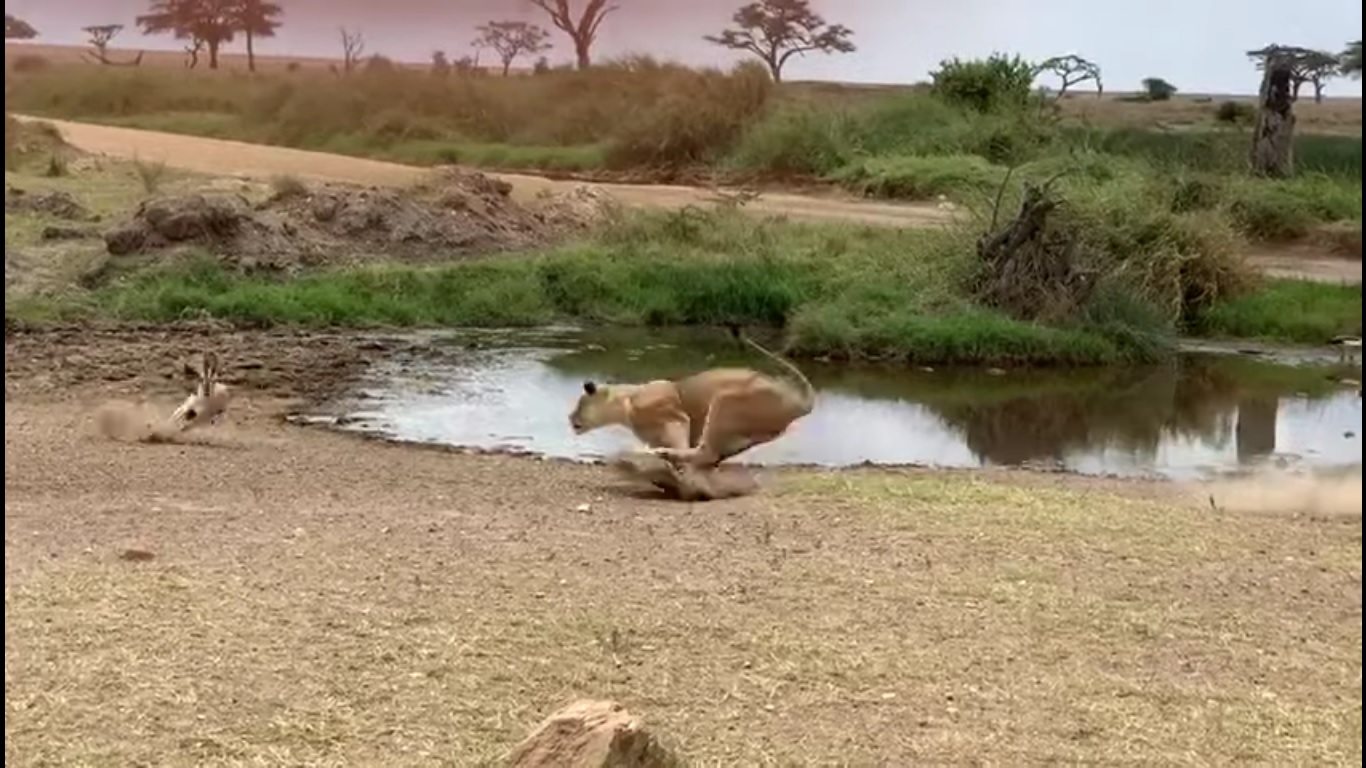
<point>265,593</point>
<point>1164,215</point>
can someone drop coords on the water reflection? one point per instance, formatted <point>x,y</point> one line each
<point>1196,414</point>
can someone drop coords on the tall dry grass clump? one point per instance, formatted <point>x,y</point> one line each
<point>695,115</point>
<point>643,110</point>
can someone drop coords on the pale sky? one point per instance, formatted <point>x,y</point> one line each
<point>1196,44</point>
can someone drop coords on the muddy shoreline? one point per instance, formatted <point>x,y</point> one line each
<point>291,365</point>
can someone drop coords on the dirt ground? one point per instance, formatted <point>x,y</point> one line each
<point>272,594</point>
<point>228,158</point>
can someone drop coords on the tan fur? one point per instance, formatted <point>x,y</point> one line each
<point>705,418</point>
<point>209,401</point>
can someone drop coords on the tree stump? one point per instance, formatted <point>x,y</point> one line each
<point>1273,141</point>
<point>1030,269</point>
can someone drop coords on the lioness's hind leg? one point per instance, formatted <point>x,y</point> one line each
<point>736,422</point>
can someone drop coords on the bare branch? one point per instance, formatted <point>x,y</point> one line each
<point>353,46</point>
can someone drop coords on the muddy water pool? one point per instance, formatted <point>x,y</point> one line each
<point>1207,412</point>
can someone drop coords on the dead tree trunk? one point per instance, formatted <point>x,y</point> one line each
<point>1273,142</point>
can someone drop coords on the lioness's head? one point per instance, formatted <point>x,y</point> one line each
<point>592,410</point>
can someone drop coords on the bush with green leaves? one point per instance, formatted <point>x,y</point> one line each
<point>1157,89</point>
<point>1234,113</point>
<point>985,85</point>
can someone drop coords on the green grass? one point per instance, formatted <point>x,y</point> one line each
<point>1226,150</point>
<point>845,292</point>
<point>1289,311</point>
<point>904,287</point>
<point>915,147</point>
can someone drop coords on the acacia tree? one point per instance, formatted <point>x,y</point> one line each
<point>583,30</point>
<point>212,22</point>
<point>100,36</point>
<point>1306,66</point>
<point>510,39</point>
<point>777,30</point>
<point>256,18</point>
<point>1351,59</point>
<point>1072,70</point>
<point>18,29</point>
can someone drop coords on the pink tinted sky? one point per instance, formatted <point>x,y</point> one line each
<point>1197,44</point>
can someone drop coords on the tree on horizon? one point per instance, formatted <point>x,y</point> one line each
<point>583,31</point>
<point>18,29</point>
<point>1351,59</point>
<point>212,22</point>
<point>777,30</point>
<point>510,39</point>
<point>257,18</point>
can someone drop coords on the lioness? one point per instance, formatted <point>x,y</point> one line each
<point>705,418</point>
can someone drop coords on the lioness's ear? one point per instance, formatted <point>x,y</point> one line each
<point>590,387</point>
<point>190,371</point>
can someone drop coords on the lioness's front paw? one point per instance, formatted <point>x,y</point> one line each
<point>671,455</point>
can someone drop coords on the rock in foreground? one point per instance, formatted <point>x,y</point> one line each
<point>591,734</point>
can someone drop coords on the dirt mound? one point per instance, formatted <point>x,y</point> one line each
<point>58,204</point>
<point>455,214</point>
<point>580,206</point>
<point>591,734</point>
<point>31,141</point>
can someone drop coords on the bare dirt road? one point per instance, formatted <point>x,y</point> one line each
<point>232,158</point>
<point>277,595</point>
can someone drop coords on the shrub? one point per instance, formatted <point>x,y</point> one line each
<point>1157,89</point>
<point>960,177</point>
<point>1202,192</point>
<point>698,116</point>
<point>985,85</point>
<point>801,141</point>
<point>29,62</point>
<point>1235,113</point>
<point>1177,263</point>
<point>1290,210</point>
<point>12,129</point>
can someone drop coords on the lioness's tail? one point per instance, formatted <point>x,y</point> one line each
<point>808,392</point>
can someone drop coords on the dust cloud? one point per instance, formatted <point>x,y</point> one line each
<point>1282,492</point>
<point>139,423</point>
